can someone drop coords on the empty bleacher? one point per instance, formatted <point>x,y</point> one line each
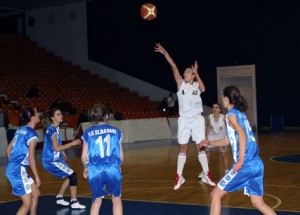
<point>23,64</point>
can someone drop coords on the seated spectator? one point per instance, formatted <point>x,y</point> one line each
<point>83,116</point>
<point>171,104</point>
<point>64,106</point>
<point>118,115</point>
<point>33,92</point>
<point>163,105</point>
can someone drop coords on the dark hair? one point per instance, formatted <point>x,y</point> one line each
<point>52,112</point>
<point>27,113</point>
<point>98,113</point>
<point>233,94</point>
<point>220,106</point>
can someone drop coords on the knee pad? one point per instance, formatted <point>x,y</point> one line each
<point>73,179</point>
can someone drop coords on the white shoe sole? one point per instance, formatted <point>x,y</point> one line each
<point>209,183</point>
<point>177,188</point>
<point>200,176</point>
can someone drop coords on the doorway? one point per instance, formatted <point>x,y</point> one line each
<point>244,78</point>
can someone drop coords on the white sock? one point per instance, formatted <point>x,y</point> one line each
<point>59,196</point>
<point>180,163</point>
<point>203,161</point>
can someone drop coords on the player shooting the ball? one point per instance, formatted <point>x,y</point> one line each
<point>190,121</point>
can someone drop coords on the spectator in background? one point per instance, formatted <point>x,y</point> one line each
<point>63,105</point>
<point>163,105</point>
<point>83,116</point>
<point>118,115</point>
<point>4,121</point>
<point>171,104</point>
<point>33,92</point>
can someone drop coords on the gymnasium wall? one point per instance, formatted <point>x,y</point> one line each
<point>63,30</point>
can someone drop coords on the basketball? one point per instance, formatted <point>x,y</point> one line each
<point>148,11</point>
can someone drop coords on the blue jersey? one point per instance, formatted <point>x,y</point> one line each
<point>16,170</point>
<point>103,142</point>
<point>252,150</point>
<point>250,176</point>
<point>104,160</point>
<point>52,160</point>
<point>22,138</point>
<point>49,154</point>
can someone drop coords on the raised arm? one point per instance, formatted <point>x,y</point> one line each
<point>58,148</point>
<point>178,78</point>
<point>198,79</point>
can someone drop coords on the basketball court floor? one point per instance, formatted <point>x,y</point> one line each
<point>149,170</point>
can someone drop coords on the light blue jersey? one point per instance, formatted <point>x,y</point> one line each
<point>251,147</point>
<point>49,154</point>
<point>52,160</point>
<point>250,176</point>
<point>16,170</point>
<point>103,160</point>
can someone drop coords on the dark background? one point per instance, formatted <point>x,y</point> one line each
<point>215,33</point>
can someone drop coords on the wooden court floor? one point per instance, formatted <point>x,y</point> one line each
<point>149,169</point>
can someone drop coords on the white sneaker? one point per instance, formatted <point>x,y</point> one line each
<point>61,201</point>
<point>207,179</point>
<point>76,205</point>
<point>179,180</point>
<point>201,175</point>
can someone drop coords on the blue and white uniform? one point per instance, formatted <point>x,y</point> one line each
<point>250,176</point>
<point>52,160</point>
<point>218,131</point>
<point>103,160</point>
<point>190,121</point>
<point>16,170</point>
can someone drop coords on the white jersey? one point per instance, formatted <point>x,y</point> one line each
<point>189,100</point>
<point>218,128</point>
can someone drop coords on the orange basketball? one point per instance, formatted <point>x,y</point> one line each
<point>148,11</point>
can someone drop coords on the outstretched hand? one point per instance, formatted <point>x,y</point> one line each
<point>159,48</point>
<point>204,143</point>
<point>76,142</point>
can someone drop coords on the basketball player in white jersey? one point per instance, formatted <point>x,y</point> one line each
<point>190,121</point>
<point>216,130</point>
